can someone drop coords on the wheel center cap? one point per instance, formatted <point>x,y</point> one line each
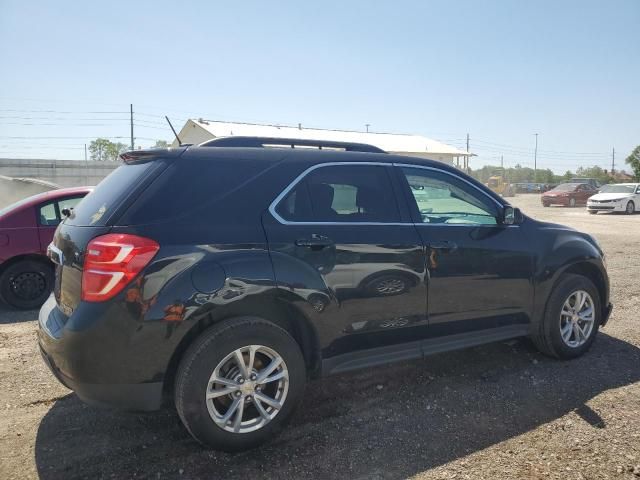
<point>248,387</point>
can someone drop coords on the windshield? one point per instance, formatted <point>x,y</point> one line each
<point>565,187</point>
<point>618,189</point>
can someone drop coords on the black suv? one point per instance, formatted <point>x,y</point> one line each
<point>226,275</point>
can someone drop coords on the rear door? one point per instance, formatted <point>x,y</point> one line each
<point>345,254</point>
<point>48,218</point>
<point>479,271</point>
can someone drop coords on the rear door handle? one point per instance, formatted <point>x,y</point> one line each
<point>315,242</point>
<point>443,245</point>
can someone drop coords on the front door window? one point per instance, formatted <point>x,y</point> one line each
<point>443,199</point>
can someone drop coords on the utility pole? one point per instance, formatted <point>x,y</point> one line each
<point>367,125</point>
<point>613,161</point>
<point>86,166</point>
<point>131,108</point>
<point>535,161</point>
<point>466,159</point>
<point>502,162</point>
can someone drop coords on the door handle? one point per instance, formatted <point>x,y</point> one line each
<point>315,242</point>
<point>443,245</point>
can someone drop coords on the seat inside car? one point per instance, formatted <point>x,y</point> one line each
<point>322,195</point>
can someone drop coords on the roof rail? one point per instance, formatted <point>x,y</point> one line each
<point>262,142</point>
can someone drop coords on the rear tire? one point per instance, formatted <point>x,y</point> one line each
<point>547,334</point>
<point>592,212</point>
<point>26,284</point>
<point>213,356</point>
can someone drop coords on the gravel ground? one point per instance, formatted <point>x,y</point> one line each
<point>498,411</point>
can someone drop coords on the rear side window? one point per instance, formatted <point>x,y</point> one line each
<point>192,183</point>
<point>342,193</point>
<point>97,207</point>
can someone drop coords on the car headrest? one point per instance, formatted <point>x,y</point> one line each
<point>322,195</point>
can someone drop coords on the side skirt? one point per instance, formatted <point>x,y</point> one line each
<point>420,349</point>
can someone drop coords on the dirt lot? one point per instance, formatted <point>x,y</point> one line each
<point>499,411</point>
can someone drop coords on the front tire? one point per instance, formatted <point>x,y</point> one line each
<point>630,209</point>
<point>239,383</point>
<point>571,320</point>
<point>26,284</point>
<point>592,212</point>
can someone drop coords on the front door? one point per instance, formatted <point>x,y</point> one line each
<point>479,271</point>
<point>349,259</point>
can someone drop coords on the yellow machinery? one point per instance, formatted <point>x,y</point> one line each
<point>500,186</point>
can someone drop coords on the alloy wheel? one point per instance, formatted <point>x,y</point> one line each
<point>577,319</point>
<point>247,389</point>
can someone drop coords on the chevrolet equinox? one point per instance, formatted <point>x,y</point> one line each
<point>226,275</point>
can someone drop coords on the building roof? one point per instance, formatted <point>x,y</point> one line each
<point>390,142</point>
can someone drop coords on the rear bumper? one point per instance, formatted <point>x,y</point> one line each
<point>87,362</point>
<point>133,397</point>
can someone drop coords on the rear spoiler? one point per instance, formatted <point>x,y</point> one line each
<point>265,142</point>
<point>143,156</point>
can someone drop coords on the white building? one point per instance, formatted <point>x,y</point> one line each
<point>198,131</point>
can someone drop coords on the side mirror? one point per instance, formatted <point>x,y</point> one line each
<point>512,216</point>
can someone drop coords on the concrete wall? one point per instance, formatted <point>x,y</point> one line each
<point>66,173</point>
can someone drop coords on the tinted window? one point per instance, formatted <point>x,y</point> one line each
<point>97,207</point>
<point>192,183</point>
<point>342,193</point>
<point>442,198</point>
<point>48,216</point>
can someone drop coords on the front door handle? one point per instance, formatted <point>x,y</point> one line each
<point>443,245</point>
<point>315,242</point>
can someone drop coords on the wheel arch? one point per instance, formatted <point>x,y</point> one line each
<point>36,257</point>
<point>282,314</point>
<point>588,270</point>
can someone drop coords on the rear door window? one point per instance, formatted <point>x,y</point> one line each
<point>344,194</point>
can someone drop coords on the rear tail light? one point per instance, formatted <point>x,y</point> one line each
<point>111,262</point>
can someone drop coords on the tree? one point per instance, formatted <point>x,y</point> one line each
<point>161,144</point>
<point>634,161</point>
<point>104,150</point>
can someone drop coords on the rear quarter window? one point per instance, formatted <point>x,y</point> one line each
<point>98,206</point>
<point>193,183</point>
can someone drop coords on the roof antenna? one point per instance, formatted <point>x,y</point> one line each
<point>174,130</point>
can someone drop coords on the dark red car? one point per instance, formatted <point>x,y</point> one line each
<point>568,194</point>
<point>26,229</point>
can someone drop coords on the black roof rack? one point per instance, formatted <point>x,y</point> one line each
<point>262,142</point>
